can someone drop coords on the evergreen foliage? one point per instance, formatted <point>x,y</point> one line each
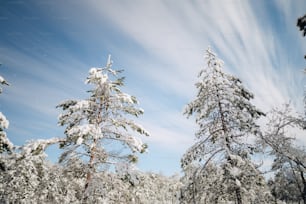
<point>227,123</point>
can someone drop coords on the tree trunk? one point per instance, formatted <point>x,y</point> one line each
<point>304,186</point>
<point>93,149</point>
<point>227,142</point>
<point>275,200</point>
<point>88,176</point>
<point>90,170</point>
<point>304,192</point>
<point>238,196</point>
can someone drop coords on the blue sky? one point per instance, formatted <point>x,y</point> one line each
<point>48,46</point>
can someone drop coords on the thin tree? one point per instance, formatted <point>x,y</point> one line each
<point>98,127</point>
<point>283,146</point>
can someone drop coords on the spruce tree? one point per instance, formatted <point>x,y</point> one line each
<point>227,125</point>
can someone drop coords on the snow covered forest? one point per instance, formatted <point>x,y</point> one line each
<point>220,167</point>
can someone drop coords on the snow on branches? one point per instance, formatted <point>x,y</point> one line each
<point>5,144</point>
<point>226,120</point>
<point>223,112</point>
<point>102,119</point>
<point>289,157</point>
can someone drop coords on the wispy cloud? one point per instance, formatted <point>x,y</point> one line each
<point>161,44</point>
<point>178,33</point>
<point>38,84</point>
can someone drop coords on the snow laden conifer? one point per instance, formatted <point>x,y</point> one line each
<point>5,144</point>
<point>98,127</point>
<point>227,121</point>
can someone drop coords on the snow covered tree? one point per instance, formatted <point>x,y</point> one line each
<point>5,144</point>
<point>151,187</point>
<point>284,186</point>
<point>98,127</point>
<point>3,82</point>
<point>19,179</point>
<point>301,23</point>
<point>227,125</point>
<point>204,185</point>
<point>25,175</point>
<point>287,154</point>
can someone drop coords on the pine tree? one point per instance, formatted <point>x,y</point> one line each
<point>5,144</point>
<point>227,122</point>
<point>96,127</point>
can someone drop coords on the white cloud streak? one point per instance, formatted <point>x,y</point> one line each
<point>178,33</point>
<point>251,46</point>
<point>175,34</point>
